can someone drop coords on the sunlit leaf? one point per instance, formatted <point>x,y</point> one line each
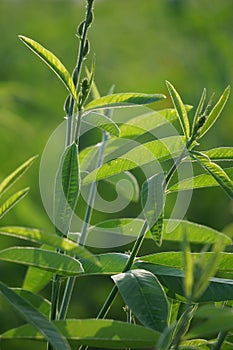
<point>40,303</point>
<point>104,334</point>
<point>52,61</point>
<point>218,174</point>
<point>103,122</point>
<point>216,111</point>
<point>123,100</point>
<point>147,122</point>
<point>44,259</point>
<point>52,240</point>
<point>180,108</point>
<point>145,296</point>
<point>34,317</point>
<point>66,189</point>
<point>143,154</point>
<point>16,175</point>
<point>12,201</point>
<point>199,181</point>
<point>109,264</point>
<point>119,232</point>
<point>220,153</point>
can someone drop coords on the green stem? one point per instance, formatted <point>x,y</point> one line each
<point>54,301</point>
<point>220,340</point>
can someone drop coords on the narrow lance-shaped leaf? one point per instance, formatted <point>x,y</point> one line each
<point>216,111</point>
<point>53,62</point>
<point>145,296</point>
<point>152,198</point>
<point>34,317</point>
<point>180,108</point>
<point>103,334</point>
<point>52,240</point>
<point>12,201</point>
<point>103,122</point>
<point>220,153</point>
<point>217,172</point>
<point>16,175</point>
<point>123,100</point>
<point>199,181</point>
<point>66,189</point>
<point>143,154</point>
<point>43,259</point>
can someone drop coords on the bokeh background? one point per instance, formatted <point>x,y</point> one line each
<point>138,45</point>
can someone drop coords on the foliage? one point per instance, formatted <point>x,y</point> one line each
<point>164,292</point>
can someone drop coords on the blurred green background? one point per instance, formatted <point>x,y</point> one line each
<point>138,45</point>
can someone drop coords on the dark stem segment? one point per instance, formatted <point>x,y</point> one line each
<point>220,340</point>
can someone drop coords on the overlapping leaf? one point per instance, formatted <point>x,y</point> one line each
<point>104,334</point>
<point>34,317</point>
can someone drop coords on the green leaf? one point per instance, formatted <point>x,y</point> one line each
<point>123,100</point>
<point>36,279</point>
<point>109,264</point>
<point>125,230</point>
<point>219,289</point>
<point>52,240</point>
<point>103,122</point>
<point>40,303</point>
<point>152,198</point>
<point>143,154</point>
<point>104,334</point>
<point>53,62</point>
<point>12,201</point>
<point>44,259</point>
<point>175,260</point>
<point>218,174</point>
<point>199,110</point>
<point>147,122</point>
<point>145,296</point>
<point>16,175</point>
<point>220,153</point>
<point>34,317</point>
<point>214,320</point>
<point>180,108</point>
<point>199,181</point>
<point>66,189</point>
<point>216,111</point>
